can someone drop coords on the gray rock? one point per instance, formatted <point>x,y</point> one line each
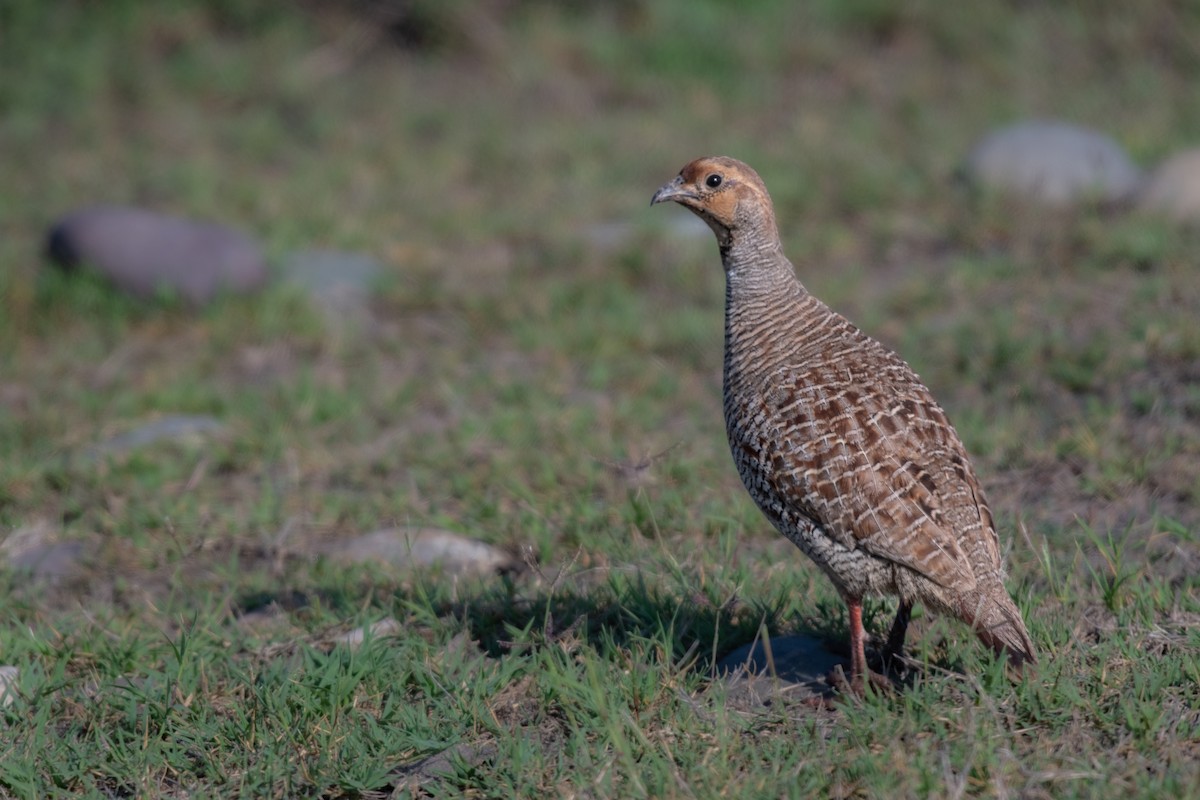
<point>143,252</point>
<point>339,282</point>
<point>408,548</point>
<point>354,639</point>
<point>8,685</point>
<point>173,427</point>
<point>330,271</point>
<point>1054,163</point>
<point>51,562</point>
<point>35,550</point>
<point>796,670</point>
<point>1173,189</point>
<point>409,777</point>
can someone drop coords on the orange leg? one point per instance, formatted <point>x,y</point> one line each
<point>858,653</point>
<point>860,673</point>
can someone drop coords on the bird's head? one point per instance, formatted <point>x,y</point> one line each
<point>726,194</point>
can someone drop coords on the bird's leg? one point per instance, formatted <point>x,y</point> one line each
<point>858,653</point>
<point>895,641</point>
<point>860,674</point>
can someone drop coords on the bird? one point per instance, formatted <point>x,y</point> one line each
<point>838,441</point>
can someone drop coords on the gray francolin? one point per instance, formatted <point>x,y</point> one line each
<point>837,440</point>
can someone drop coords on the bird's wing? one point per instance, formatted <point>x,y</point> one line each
<point>880,468</point>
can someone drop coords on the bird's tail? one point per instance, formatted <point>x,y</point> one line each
<point>997,621</point>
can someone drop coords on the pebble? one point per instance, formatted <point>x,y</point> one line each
<point>422,547</point>
<point>34,550</point>
<point>801,664</point>
<point>330,271</point>
<point>1173,189</point>
<point>354,639</point>
<point>339,282</point>
<point>144,252</point>
<point>409,777</point>
<point>173,427</point>
<point>1055,163</point>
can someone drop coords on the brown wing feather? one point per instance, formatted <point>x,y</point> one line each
<point>883,472</point>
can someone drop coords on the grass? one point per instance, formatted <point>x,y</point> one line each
<point>531,379</point>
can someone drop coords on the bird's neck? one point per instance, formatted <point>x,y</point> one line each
<point>767,310</point>
<point>756,270</point>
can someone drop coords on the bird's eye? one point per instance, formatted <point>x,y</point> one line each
<point>713,181</point>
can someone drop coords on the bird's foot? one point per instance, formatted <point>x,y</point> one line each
<point>856,684</point>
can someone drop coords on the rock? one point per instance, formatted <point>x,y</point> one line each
<point>1173,189</point>
<point>8,686</point>
<point>35,551</point>
<point>339,282</point>
<point>330,271</point>
<point>409,777</point>
<point>173,427</point>
<point>354,639</point>
<point>50,562</point>
<point>801,664</point>
<point>143,252</point>
<point>1054,163</point>
<point>421,547</point>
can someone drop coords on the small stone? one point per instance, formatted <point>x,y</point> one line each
<point>35,551</point>
<point>325,271</point>
<point>796,669</point>
<point>51,562</point>
<point>422,547</point>
<point>354,639</point>
<point>144,252</point>
<point>1055,163</point>
<point>339,282</point>
<point>797,659</point>
<point>173,427</point>
<point>409,777</point>
<point>1173,189</point>
<point>8,686</point>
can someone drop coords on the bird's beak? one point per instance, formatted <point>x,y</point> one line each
<point>672,191</point>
